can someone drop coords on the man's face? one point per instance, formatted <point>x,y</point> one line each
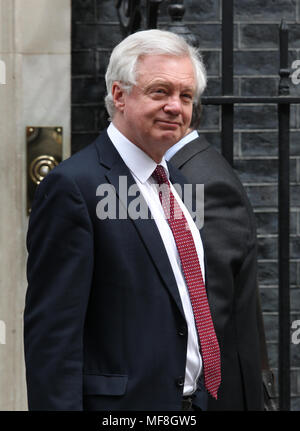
<point>157,112</point>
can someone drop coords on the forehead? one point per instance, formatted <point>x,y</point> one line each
<point>165,68</point>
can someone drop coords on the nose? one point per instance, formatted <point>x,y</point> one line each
<point>173,106</point>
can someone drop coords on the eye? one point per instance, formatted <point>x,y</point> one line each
<point>187,96</point>
<point>160,91</point>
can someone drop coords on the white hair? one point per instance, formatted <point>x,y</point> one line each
<point>124,58</point>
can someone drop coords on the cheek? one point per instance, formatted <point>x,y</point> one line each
<point>188,113</point>
<point>143,115</point>
<point>131,114</point>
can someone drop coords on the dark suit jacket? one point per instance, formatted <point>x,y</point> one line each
<point>104,328</point>
<point>229,239</point>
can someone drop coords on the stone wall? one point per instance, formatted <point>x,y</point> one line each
<point>95,30</point>
<point>35,48</point>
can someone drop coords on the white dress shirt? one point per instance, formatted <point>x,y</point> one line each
<point>141,167</point>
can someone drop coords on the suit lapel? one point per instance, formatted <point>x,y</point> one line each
<point>188,151</point>
<point>146,228</point>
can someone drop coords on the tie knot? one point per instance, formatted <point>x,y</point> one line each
<point>160,175</point>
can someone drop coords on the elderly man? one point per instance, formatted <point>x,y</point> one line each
<point>117,315</point>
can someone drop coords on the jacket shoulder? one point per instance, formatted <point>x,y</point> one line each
<point>84,161</point>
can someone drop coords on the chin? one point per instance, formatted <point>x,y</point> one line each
<point>170,137</point>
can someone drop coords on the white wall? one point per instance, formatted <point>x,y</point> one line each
<point>35,45</point>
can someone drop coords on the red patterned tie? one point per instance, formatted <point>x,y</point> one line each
<point>192,271</point>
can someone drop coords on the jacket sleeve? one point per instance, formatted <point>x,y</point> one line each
<point>59,272</point>
<point>247,330</point>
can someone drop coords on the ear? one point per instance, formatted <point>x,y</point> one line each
<point>118,94</point>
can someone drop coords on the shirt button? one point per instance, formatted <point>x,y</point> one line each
<point>182,331</point>
<point>180,382</point>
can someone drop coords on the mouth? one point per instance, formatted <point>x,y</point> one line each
<point>169,124</point>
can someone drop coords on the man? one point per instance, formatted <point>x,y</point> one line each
<point>229,238</point>
<point>115,305</point>
<point>116,314</point>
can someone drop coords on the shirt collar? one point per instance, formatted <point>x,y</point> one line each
<point>138,162</point>
<point>180,144</point>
